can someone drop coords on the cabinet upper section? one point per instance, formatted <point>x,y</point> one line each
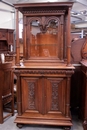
<point>46,31</point>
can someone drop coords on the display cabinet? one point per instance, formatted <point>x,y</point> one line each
<point>43,80</point>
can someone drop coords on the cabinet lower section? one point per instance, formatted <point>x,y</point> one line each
<point>43,96</point>
<point>55,119</point>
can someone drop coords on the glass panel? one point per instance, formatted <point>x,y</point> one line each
<point>43,40</point>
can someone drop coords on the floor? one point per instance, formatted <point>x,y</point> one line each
<point>10,125</point>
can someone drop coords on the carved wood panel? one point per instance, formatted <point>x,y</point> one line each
<point>43,94</point>
<point>56,90</point>
<point>31,94</point>
<point>29,89</point>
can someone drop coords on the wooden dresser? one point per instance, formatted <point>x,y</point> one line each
<point>43,81</point>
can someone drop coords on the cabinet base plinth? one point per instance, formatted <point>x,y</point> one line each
<point>55,122</point>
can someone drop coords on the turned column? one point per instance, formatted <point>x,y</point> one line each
<point>17,39</point>
<point>68,37</point>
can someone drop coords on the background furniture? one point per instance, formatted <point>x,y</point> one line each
<point>6,89</point>
<point>83,111</point>
<point>76,79</point>
<point>79,79</point>
<point>7,44</point>
<point>6,40</point>
<point>43,83</point>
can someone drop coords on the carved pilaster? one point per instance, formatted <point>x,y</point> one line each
<point>19,98</point>
<point>68,97</point>
<point>17,38</point>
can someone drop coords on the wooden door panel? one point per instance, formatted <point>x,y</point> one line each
<point>29,86</point>
<point>43,95</point>
<point>32,89</point>
<point>55,95</point>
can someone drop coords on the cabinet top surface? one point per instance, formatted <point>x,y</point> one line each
<point>64,66</point>
<point>26,6</point>
<point>43,4</point>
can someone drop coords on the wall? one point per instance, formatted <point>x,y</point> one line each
<point>7,14</point>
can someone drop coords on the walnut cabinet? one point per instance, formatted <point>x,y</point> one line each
<point>43,80</point>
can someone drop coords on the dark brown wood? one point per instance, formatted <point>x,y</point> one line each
<point>83,110</point>
<point>76,90</point>
<point>76,79</point>
<point>43,83</point>
<point>6,92</point>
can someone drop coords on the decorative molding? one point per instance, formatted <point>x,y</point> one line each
<point>27,71</point>
<point>42,11</point>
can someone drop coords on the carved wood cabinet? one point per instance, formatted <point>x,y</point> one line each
<point>43,81</point>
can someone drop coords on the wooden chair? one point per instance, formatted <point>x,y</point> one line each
<point>6,90</point>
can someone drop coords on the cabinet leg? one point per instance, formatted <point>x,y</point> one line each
<point>19,125</point>
<point>67,128</point>
<point>85,124</point>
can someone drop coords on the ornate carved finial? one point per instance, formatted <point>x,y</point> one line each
<point>43,28</point>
